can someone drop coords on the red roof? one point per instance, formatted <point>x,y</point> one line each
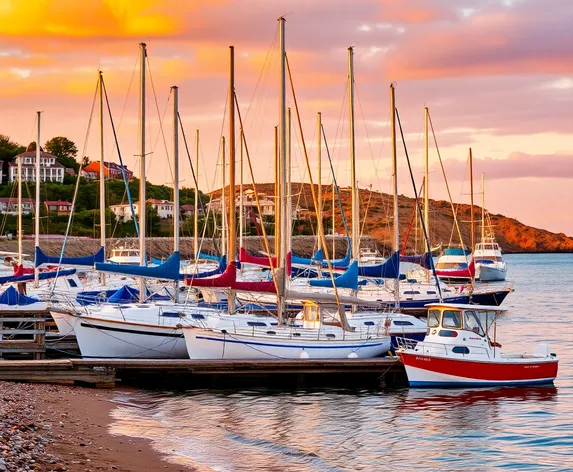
<point>57,202</point>
<point>14,200</point>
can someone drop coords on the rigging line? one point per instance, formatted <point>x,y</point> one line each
<point>271,50</point>
<point>160,118</point>
<point>256,193</point>
<point>344,222</point>
<point>445,178</point>
<point>340,125</point>
<point>344,321</point>
<point>361,235</point>
<point>127,93</point>
<point>418,205</point>
<point>77,187</point>
<point>376,166</point>
<point>123,173</point>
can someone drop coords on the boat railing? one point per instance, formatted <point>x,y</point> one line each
<point>405,343</point>
<point>449,352</point>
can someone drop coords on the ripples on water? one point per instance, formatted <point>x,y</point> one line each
<point>335,430</point>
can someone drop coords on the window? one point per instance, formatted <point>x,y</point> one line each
<point>433,318</point>
<point>472,323</point>
<point>452,319</point>
<point>460,350</point>
<point>72,283</point>
<point>403,323</point>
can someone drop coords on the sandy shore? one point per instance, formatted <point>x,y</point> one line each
<point>60,428</point>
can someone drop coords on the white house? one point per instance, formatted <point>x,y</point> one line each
<point>122,211</point>
<point>50,169</point>
<point>10,205</point>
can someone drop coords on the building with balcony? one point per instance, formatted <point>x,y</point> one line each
<point>50,169</point>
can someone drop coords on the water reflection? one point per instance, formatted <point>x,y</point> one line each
<point>331,430</point>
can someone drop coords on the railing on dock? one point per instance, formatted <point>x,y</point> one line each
<point>22,333</point>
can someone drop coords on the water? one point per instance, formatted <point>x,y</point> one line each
<point>341,430</point>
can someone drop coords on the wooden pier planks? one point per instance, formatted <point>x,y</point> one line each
<point>105,372</point>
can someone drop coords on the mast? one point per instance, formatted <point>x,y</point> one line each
<point>319,209</point>
<point>288,219</point>
<point>175,91</point>
<point>142,181</point>
<point>37,220</point>
<point>426,174</point>
<point>396,242</point>
<point>196,212</point>
<point>483,207</point>
<point>223,200</point>
<point>102,206</point>
<point>355,210</point>
<point>241,209</point>
<point>472,202</point>
<point>333,222</point>
<point>277,199</point>
<point>20,235</point>
<point>232,216</point>
<point>282,255</point>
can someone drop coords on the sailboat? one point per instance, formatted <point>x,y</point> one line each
<point>490,266</point>
<point>316,338</point>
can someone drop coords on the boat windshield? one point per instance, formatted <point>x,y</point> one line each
<point>472,323</point>
<point>452,319</point>
<point>433,318</point>
<point>486,319</point>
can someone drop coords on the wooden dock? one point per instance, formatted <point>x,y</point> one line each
<point>155,373</point>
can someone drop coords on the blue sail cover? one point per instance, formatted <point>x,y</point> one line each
<point>424,260</point>
<point>125,294</point>
<point>41,276</point>
<point>390,269</point>
<point>349,279</point>
<point>12,297</point>
<point>210,257</point>
<point>42,258</point>
<point>169,270</point>
<point>211,273</point>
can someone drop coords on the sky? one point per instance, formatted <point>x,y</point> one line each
<point>496,75</point>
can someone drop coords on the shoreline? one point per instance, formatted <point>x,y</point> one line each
<point>67,428</point>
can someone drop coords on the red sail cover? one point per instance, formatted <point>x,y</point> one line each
<point>263,261</point>
<point>226,279</point>
<point>265,286</point>
<point>21,270</point>
<point>469,273</point>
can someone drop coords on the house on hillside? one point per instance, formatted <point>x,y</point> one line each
<point>10,205</point>
<point>50,169</point>
<point>61,207</point>
<point>122,211</point>
<point>111,171</point>
<point>189,210</point>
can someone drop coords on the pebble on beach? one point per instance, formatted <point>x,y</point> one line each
<point>25,432</point>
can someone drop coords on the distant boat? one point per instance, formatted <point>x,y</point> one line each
<point>453,266</point>
<point>490,265</point>
<point>458,352</point>
<point>489,262</point>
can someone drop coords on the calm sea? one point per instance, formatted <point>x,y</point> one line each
<point>402,429</point>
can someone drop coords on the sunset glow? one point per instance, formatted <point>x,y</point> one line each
<point>496,76</point>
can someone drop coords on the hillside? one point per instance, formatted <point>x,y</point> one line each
<point>513,236</point>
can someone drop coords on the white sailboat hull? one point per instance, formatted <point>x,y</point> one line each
<point>98,337</point>
<point>210,344</point>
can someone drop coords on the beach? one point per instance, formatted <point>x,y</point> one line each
<point>63,428</point>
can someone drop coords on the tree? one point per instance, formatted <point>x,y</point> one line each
<point>8,150</point>
<point>64,150</point>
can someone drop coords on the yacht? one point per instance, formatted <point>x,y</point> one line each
<point>489,262</point>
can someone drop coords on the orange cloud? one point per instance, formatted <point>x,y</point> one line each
<point>101,18</point>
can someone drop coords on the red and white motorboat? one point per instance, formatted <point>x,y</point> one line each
<point>458,352</point>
